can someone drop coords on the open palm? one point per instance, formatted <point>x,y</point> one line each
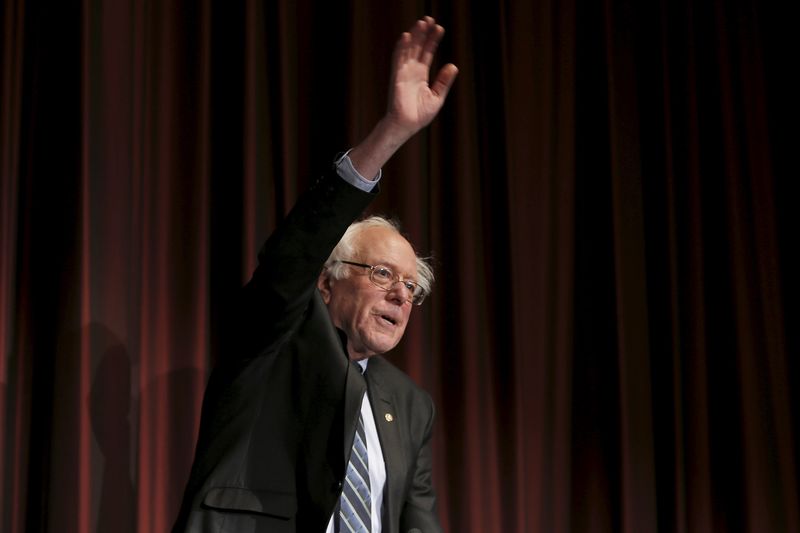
<point>413,102</point>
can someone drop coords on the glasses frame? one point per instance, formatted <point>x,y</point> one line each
<point>415,299</point>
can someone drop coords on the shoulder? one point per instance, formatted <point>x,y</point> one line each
<point>393,381</point>
<point>380,367</point>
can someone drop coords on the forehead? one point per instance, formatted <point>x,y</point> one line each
<point>379,245</point>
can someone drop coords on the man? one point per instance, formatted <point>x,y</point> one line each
<point>293,437</point>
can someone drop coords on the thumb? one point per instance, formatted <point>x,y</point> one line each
<point>444,80</point>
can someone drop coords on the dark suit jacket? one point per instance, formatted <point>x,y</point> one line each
<point>280,409</point>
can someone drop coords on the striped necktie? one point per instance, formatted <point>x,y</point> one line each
<point>356,501</point>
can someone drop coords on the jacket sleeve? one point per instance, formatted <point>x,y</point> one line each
<point>272,303</point>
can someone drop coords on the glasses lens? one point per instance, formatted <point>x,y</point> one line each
<point>385,278</point>
<point>382,276</point>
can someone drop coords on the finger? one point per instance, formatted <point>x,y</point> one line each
<point>444,80</point>
<point>431,44</point>
<point>419,34</point>
<point>401,50</point>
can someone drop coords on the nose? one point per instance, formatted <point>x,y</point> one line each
<point>398,293</point>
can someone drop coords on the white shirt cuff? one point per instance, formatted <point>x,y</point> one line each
<point>346,171</point>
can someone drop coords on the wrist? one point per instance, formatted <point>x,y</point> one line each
<point>391,132</point>
<point>369,156</point>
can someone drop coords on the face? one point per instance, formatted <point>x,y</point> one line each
<point>373,319</point>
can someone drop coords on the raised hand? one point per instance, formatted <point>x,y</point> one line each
<point>413,101</point>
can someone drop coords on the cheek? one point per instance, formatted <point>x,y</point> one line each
<point>341,311</point>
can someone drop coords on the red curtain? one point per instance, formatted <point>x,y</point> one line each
<point>612,342</point>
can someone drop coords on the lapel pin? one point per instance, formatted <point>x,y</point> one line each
<point>388,417</point>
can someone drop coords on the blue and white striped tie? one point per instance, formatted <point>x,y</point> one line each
<point>356,501</point>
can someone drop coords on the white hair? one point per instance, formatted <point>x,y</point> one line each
<point>346,250</point>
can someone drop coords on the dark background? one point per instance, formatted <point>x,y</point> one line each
<point>608,193</point>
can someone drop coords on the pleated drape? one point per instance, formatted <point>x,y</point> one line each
<point>608,197</point>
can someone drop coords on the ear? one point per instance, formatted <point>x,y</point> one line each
<point>324,286</point>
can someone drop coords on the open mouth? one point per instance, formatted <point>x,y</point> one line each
<point>390,320</point>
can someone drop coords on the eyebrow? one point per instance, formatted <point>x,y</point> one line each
<point>396,270</point>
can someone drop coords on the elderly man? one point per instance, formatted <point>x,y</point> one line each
<point>304,426</point>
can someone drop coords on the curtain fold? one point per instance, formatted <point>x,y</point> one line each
<point>608,196</point>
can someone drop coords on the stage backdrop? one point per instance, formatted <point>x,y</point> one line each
<point>611,345</point>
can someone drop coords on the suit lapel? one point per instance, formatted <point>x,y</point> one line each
<point>354,392</point>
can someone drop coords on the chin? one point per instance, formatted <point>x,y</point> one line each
<point>380,348</point>
<point>381,341</point>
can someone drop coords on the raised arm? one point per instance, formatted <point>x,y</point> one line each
<point>413,101</point>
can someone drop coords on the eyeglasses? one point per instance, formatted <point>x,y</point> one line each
<point>384,278</point>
